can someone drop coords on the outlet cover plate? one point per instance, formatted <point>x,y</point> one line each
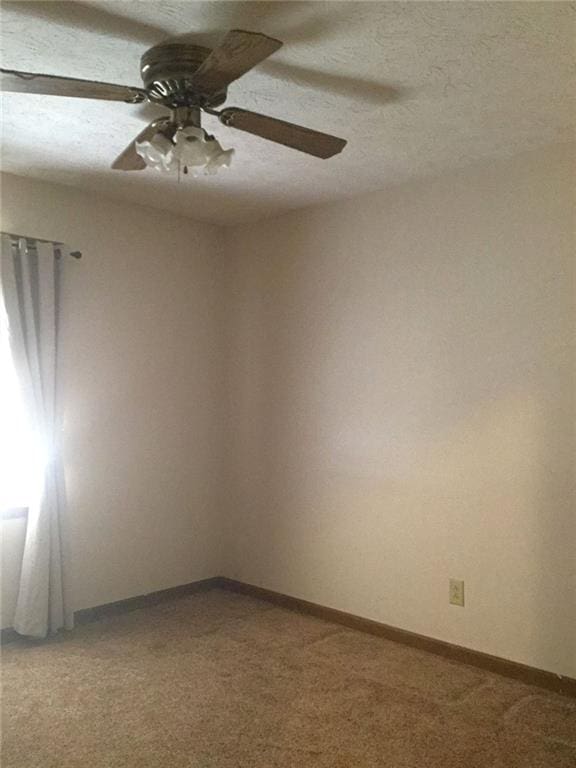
<point>457,592</point>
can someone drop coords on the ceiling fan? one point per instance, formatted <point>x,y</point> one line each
<point>187,79</point>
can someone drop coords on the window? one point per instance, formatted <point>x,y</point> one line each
<point>21,455</point>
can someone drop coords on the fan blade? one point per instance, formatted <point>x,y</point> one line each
<point>303,139</point>
<point>52,85</point>
<point>236,55</point>
<point>129,159</point>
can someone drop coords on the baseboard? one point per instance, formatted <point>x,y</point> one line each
<point>88,615</point>
<point>513,669</point>
<point>9,635</point>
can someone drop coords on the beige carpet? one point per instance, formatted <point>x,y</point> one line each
<point>219,680</point>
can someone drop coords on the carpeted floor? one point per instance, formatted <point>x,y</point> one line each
<point>219,680</point>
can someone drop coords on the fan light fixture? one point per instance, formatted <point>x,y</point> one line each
<point>188,80</point>
<point>191,149</point>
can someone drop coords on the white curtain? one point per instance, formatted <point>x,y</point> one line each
<point>31,273</point>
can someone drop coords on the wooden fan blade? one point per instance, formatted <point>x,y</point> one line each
<point>303,139</point>
<point>52,85</point>
<point>129,159</point>
<point>236,55</point>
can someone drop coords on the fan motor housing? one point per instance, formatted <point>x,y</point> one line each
<point>167,72</point>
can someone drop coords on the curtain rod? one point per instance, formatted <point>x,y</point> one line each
<point>75,254</point>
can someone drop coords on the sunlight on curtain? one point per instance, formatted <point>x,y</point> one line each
<point>22,457</point>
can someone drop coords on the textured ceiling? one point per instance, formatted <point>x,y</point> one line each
<point>416,88</point>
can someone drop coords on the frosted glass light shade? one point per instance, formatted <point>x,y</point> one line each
<point>221,159</point>
<point>190,148</point>
<point>157,153</point>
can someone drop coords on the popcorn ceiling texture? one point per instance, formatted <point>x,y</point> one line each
<point>416,88</point>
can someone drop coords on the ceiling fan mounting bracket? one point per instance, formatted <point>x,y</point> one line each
<point>168,72</point>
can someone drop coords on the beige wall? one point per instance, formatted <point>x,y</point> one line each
<point>388,384</point>
<point>402,376</point>
<point>141,371</point>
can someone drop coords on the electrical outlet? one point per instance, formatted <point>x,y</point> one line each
<point>457,592</point>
